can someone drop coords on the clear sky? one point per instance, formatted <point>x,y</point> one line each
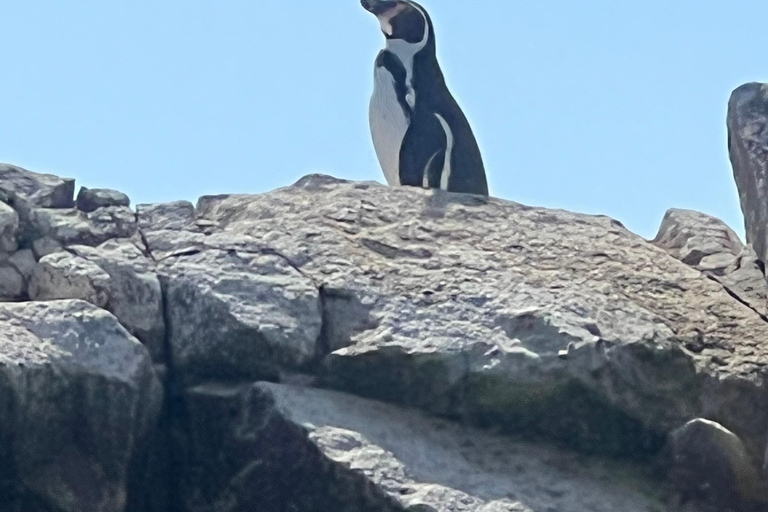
<point>603,107</point>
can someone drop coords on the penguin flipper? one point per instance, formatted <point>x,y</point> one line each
<point>422,154</point>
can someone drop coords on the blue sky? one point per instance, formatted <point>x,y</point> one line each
<point>606,107</point>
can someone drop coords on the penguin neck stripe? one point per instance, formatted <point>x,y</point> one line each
<point>406,52</point>
<point>385,20</point>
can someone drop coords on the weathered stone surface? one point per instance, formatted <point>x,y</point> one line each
<point>170,228</point>
<point>234,311</point>
<point>166,216</point>
<point>533,320</point>
<point>63,275</point>
<point>691,236</point>
<point>26,189</point>
<point>238,314</point>
<point>91,199</point>
<point>73,227</point>
<point>12,286</point>
<point>9,228</point>
<point>24,261</point>
<point>709,245</point>
<point>238,454</point>
<point>712,471</point>
<point>44,246</point>
<point>134,293</point>
<point>15,271</point>
<point>115,276</point>
<point>434,465</point>
<point>78,398</point>
<point>748,148</point>
<point>524,320</point>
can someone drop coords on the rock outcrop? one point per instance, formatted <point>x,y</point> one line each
<point>748,148</point>
<point>78,400</point>
<point>502,314</point>
<point>63,227</point>
<point>439,324</point>
<point>24,189</point>
<point>91,199</point>
<point>709,245</point>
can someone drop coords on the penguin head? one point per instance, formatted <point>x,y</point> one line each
<point>400,19</point>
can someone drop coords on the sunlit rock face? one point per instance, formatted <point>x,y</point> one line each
<point>338,345</point>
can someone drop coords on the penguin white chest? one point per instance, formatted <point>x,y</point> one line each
<point>388,124</point>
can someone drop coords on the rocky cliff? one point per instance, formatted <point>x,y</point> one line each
<point>343,347</point>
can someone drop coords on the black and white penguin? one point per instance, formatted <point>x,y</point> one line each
<point>420,134</point>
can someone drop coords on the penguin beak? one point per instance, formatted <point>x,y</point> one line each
<point>378,7</point>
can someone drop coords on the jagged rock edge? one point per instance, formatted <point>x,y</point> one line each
<point>651,437</point>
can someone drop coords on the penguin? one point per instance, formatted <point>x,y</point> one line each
<point>420,134</point>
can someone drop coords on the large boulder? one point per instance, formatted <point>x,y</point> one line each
<point>235,314</point>
<point>236,310</point>
<point>693,237</point>
<point>73,227</point>
<point>135,295</point>
<point>91,199</point>
<point>78,400</point>
<point>63,275</point>
<point>170,228</point>
<point>531,320</point>
<point>709,245</point>
<point>26,189</point>
<point>748,148</point>
<point>115,276</point>
<point>712,471</point>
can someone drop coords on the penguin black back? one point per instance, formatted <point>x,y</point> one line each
<point>420,134</point>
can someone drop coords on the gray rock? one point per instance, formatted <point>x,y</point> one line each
<point>115,276</point>
<point>44,246</point>
<point>236,314</point>
<point>166,216</point>
<point>91,199</point>
<point>748,148</point>
<point>66,276</point>
<point>709,245</point>
<point>9,228</point>
<point>78,398</point>
<point>12,286</point>
<point>73,227</point>
<point>711,469</point>
<point>237,453</point>
<point>24,261</point>
<point>538,321</point>
<point>22,188</point>
<point>133,288</point>
<point>433,465</point>
<point>170,228</point>
<point>691,236</point>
